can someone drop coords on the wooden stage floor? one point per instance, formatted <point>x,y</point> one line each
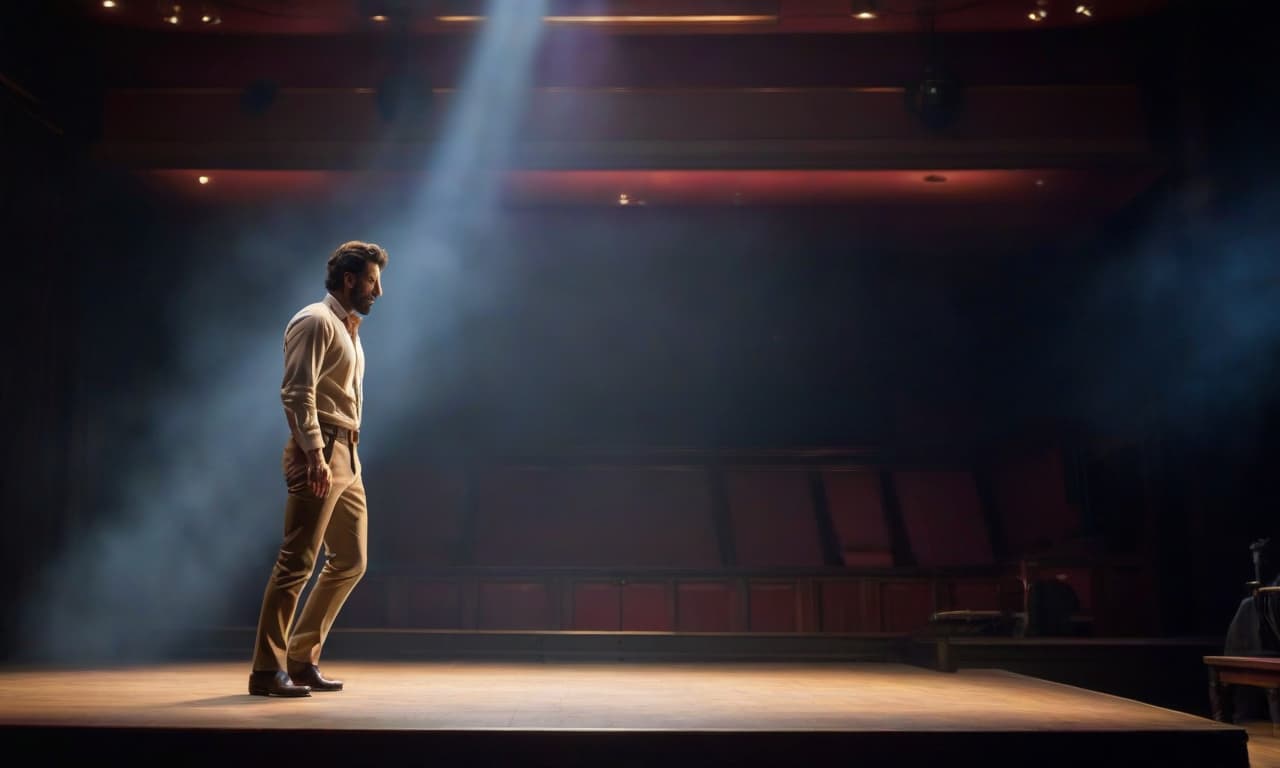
<point>563,713</point>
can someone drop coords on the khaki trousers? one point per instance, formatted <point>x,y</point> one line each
<point>338,521</point>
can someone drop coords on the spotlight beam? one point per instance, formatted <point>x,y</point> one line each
<point>207,498</point>
<point>448,216</point>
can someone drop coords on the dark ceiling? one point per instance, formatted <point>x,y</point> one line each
<point>769,17</point>
<point>1055,122</point>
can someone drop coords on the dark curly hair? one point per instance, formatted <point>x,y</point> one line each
<point>351,257</point>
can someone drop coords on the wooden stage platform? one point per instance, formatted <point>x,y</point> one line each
<point>600,713</point>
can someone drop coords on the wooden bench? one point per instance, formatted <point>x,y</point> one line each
<point>1256,671</point>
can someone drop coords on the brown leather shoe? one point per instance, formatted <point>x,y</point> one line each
<point>275,683</point>
<point>309,675</point>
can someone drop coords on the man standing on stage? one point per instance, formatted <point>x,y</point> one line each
<point>322,396</point>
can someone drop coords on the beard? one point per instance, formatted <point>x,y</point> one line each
<point>362,302</point>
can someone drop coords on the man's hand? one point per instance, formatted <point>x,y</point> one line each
<point>318,475</point>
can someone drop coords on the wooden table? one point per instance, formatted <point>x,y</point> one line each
<point>1256,671</point>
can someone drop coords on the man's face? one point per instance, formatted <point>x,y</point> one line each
<point>364,288</point>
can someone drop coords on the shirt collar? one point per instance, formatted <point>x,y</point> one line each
<point>332,302</point>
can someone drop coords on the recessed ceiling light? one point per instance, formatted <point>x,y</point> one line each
<point>378,17</point>
<point>202,179</point>
<point>110,4</point>
<point>863,10</point>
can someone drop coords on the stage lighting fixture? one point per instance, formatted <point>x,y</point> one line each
<point>389,12</point>
<point>171,13</point>
<point>864,10</point>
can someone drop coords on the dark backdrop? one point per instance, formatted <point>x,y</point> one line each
<point>1146,351</point>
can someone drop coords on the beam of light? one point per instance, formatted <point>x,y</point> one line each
<point>448,217</point>
<point>199,500</point>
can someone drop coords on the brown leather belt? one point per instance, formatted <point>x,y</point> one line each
<point>342,434</point>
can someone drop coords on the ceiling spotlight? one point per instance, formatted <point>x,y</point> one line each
<point>110,4</point>
<point>202,180</point>
<point>171,13</point>
<point>1040,12</point>
<point>378,18</point>
<point>209,15</point>
<point>863,10</point>
<point>623,199</point>
<point>1084,9</point>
